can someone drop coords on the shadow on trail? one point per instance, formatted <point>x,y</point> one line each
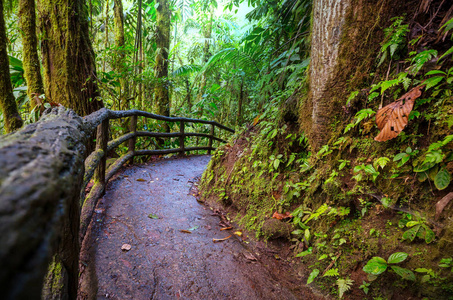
<point>147,206</point>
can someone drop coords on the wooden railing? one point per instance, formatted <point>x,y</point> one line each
<point>95,164</point>
<point>44,214</point>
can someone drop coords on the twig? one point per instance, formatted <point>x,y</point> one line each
<point>331,264</point>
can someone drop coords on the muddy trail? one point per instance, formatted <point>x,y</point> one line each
<point>151,208</point>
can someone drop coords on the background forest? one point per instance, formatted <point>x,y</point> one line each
<point>319,93</point>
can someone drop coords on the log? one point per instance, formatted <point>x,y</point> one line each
<point>41,170</point>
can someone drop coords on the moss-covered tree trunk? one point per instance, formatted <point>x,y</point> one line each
<point>207,34</point>
<point>8,104</point>
<point>32,68</point>
<point>161,96</point>
<point>68,57</point>
<point>121,59</point>
<point>345,37</point>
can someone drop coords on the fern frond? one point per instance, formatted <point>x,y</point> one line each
<point>344,285</point>
<point>186,70</point>
<point>331,272</point>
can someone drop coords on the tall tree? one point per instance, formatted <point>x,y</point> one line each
<point>32,68</point>
<point>8,104</point>
<point>121,59</point>
<point>68,58</point>
<point>344,43</point>
<point>161,96</point>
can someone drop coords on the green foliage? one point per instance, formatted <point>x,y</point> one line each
<point>395,38</point>
<point>418,228</point>
<point>378,265</point>
<point>359,117</point>
<point>404,157</point>
<point>312,276</point>
<point>344,285</point>
<point>332,272</point>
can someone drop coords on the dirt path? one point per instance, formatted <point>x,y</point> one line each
<point>165,262</point>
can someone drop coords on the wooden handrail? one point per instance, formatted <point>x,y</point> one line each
<point>42,192</point>
<point>96,160</point>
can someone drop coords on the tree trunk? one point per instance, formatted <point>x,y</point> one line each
<point>207,34</point>
<point>32,68</point>
<point>68,57</point>
<point>161,97</point>
<point>345,37</point>
<point>121,60</point>
<point>8,104</point>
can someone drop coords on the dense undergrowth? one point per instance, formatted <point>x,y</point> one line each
<point>355,199</point>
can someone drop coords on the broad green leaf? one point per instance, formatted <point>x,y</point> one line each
<point>411,233</point>
<point>404,273</point>
<point>429,235</point>
<point>397,257</point>
<point>412,223</point>
<point>424,167</point>
<point>399,156</point>
<point>449,51</point>
<point>435,72</point>
<point>421,270</point>
<point>442,179</point>
<point>433,81</point>
<point>375,266</point>
<point>312,276</point>
<point>422,176</point>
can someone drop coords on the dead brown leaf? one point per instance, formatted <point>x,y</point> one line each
<point>392,118</point>
<point>221,240</point>
<point>226,228</point>
<point>278,216</point>
<point>442,203</point>
<point>249,256</point>
<point>185,231</point>
<point>141,179</point>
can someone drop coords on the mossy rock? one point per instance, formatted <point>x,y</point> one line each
<point>273,229</point>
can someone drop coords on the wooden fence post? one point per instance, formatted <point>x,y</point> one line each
<point>181,138</point>
<point>210,138</point>
<point>132,141</point>
<point>102,139</point>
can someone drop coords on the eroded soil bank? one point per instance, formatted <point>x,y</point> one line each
<point>151,208</point>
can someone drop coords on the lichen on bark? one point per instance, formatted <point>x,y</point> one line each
<point>68,57</point>
<point>8,104</point>
<point>161,96</point>
<point>32,68</point>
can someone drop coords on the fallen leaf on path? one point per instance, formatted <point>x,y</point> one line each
<point>126,247</point>
<point>153,216</point>
<point>185,231</point>
<point>238,233</point>
<point>141,179</point>
<point>278,216</point>
<point>392,118</point>
<point>221,240</point>
<point>226,228</point>
<point>193,228</point>
<point>249,256</point>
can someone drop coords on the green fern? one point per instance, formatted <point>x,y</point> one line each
<point>331,273</point>
<point>344,285</point>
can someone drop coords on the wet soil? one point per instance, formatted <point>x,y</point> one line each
<point>152,208</point>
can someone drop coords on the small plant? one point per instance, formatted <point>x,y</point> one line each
<point>359,117</point>
<point>365,287</point>
<point>418,228</point>
<point>403,157</point>
<point>378,265</point>
<point>429,273</point>
<point>344,285</point>
<point>332,272</point>
<point>395,39</point>
<point>446,263</point>
<point>368,170</point>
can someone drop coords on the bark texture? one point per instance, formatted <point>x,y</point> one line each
<point>8,104</point>
<point>68,57</point>
<point>161,96</point>
<point>41,171</point>
<point>32,68</point>
<point>121,59</point>
<point>346,37</point>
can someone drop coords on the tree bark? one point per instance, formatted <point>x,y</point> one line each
<point>121,60</point>
<point>32,68</point>
<point>68,57</point>
<point>346,38</point>
<point>8,104</point>
<point>161,96</point>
